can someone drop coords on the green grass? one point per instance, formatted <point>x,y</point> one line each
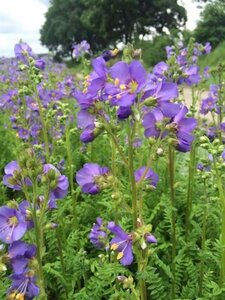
<point>216,57</point>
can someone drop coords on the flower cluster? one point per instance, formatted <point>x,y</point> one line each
<point>17,219</point>
<point>80,49</point>
<point>122,242</point>
<point>130,89</point>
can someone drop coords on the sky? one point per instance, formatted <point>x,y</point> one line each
<point>22,19</point>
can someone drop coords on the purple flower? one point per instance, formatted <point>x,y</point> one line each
<point>12,224</point>
<point>122,243</point>
<point>40,64</point>
<point>151,177</point>
<point>207,48</point>
<point>190,75</point>
<point>208,105</point>
<point>91,177</point>
<point>150,122</point>
<point>23,286</point>
<point>13,177</point>
<point>124,112</point>
<point>150,238</point>
<point>202,167</point>
<point>20,253</point>
<point>161,92</point>
<point>84,100</point>
<point>169,51</point>
<point>22,52</point>
<point>89,134</point>
<point>109,54</point>
<point>183,129</point>
<point>80,49</point>
<point>59,183</point>
<point>129,81</point>
<point>12,169</point>
<point>160,69</point>
<point>96,80</point>
<point>98,236</point>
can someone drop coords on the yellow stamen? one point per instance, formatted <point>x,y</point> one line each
<point>133,86</point>
<point>120,255</point>
<point>114,246</point>
<point>122,86</point>
<point>115,52</point>
<point>16,296</point>
<point>117,82</point>
<point>20,296</point>
<point>13,221</point>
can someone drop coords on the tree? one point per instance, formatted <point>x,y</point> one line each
<point>211,27</point>
<point>104,22</point>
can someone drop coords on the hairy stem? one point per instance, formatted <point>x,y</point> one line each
<point>39,244</point>
<point>191,173</point>
<point>132,177</point>
<point>173,218</point>
<point>204,223</point>
<point>71,171</point>
<point>222,203</point>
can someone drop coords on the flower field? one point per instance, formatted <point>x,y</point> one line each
<point>113,184</point>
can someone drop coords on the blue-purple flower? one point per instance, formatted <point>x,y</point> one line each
<point>122,243</point>
<point>13,224</point>
<point>98,235</point>
<point>183,129</point>
<point>13,177</point>
<point>59,183</point>
<point>23,286</point>
<point>20,253</point>
<point>150,177</point>
<point>22,52</point>
<point>208,105</point>
<point>91,178</point>
<point>129,81</point>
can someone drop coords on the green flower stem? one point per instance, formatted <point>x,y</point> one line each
<point>149,163</point>
<point>203,235</point>
<point>131,173</point>
<point>142,263</point>
<point>40,108</point>
<point>191,173</point>
<point>71,175</point>
<point>114,138</point>
<point>39,244</point>
<point>131,133</point>
<point>173,218</point>
<point>62,262</point>
<point>114,173</point>
<point>43,123</point>
<point>222,203</point>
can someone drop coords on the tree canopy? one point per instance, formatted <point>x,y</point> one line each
<point>104,22</point>
<point>211,27</point>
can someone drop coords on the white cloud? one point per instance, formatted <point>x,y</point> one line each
<point>21,20</point>
<point>193,13</point>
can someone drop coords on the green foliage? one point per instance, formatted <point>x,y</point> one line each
<point>211,27</point>
<point>104,23</point>
<point>217,56</point>
<point>154,51</point>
